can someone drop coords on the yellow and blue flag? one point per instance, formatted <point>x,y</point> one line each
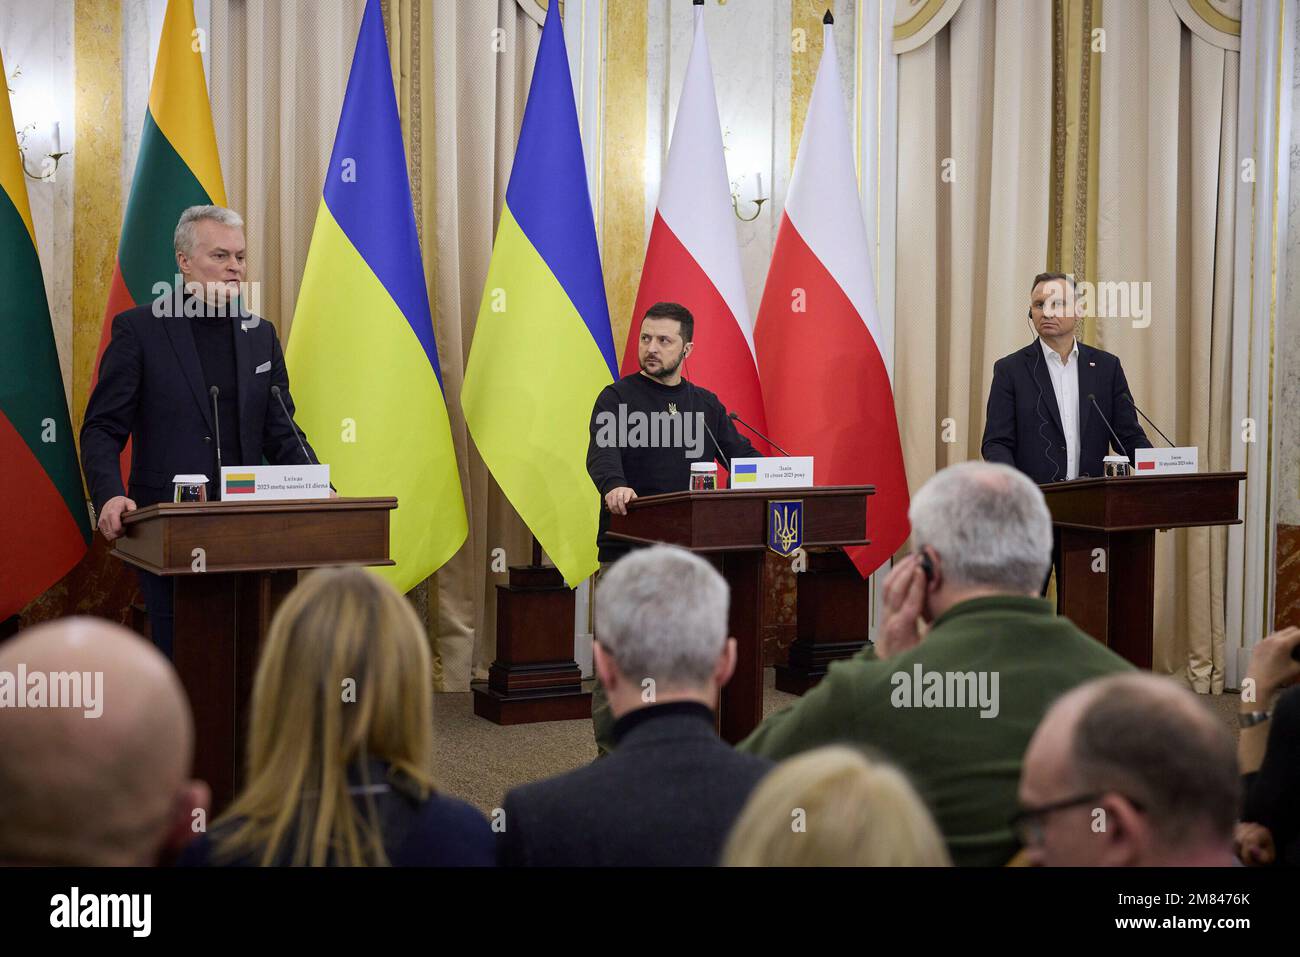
<point>543,348</point>
<point>362,358</point>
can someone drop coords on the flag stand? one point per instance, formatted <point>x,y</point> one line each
<point>534,677</point>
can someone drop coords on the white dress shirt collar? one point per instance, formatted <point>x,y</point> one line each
<point>1049,352</point>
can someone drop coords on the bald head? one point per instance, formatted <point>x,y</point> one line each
<point>94,781</point>
<point>1158,769</point>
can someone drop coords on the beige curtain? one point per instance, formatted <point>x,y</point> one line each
<point>974,154</point>
<point>463,71</point>
<point>980,94</point>
<point>1167,185</point>
<point>279,69</point>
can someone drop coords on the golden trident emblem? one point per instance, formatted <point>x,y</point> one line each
<point>786,532</point>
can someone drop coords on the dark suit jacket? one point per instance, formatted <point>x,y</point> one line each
<point>151,388</point>
<point>1023,425</point>
<point>667,795</point>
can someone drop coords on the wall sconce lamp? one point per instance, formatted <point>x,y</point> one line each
<point>758,201</point>
<point>50,161</point>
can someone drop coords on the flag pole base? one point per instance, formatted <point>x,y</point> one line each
<point>534,677</point>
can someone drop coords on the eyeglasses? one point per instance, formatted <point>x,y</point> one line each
<point>1027,824</point>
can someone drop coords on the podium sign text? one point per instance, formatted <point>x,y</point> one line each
<point>791,471</point>
<point>264,483</point>
<point>1180,461</point>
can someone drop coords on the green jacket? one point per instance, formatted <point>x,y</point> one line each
<point>1007,657</point>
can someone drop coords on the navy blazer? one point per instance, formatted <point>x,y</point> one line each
<point>433,830</point>
<point>151,388</point>
<point>1022,427</point>
<point>667,795</point>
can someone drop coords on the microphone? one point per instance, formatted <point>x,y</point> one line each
<point>1118,444</point>
<point>216,422</point>
<point>726,463</point>
<point>732,415</point>
<point>275,391</point>
<point>1149,422</point>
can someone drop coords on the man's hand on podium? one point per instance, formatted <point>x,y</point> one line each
<point>110,516</point>
<point>616,499</point>
<point>904,595</point>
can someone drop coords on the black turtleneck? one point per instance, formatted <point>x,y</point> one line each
<point>214,337</point>
<point>640,716</point>
<point>653,470</point>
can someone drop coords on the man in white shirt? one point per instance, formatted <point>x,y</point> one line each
<point>1063,367</point>
<point>1053,404</point>
<point>1045,398</point>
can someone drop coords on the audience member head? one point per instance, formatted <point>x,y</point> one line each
<point>835,807</point>
<point>98,773</point>
<point>985,529</point>
<point>661,630</point>
<point>1129,770</point>
<point>344,680</point>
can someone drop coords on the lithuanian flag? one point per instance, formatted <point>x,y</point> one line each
<point>362,355</point>
<point>543,348</point>
<point>177,167</point>
<point>44,525</point>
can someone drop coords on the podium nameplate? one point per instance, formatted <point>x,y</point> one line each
<point>265,483</point>
<point>790,471</point>
<point>1176,461</point>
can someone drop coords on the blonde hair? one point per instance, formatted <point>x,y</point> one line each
<point>835,807</point>
<point>344,677</point>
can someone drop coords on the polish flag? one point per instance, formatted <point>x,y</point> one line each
<point>825,383</point>
<point>693,257</point>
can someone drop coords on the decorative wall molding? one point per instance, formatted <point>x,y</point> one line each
<point>1214,21</point>
<point>917,21</point>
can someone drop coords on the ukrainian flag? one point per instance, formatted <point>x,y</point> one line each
<point>543,348</point>
<point>361,355</point>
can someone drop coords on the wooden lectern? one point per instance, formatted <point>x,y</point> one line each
<point>729,527</point>
<point>233,563</point>
<point>1115,519</point>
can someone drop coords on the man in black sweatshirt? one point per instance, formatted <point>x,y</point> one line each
<point>646,431</point>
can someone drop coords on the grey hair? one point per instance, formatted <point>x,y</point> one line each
<point>661,613</point>
<point>184,237</point>
<point>990,525</point>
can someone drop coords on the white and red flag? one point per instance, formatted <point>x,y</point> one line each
<point>818,337</point>
<point>693,257</point>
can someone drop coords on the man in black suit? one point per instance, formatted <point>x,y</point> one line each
<point>669,793</point>
<point>168,363</point>
<point>1043,404</point>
